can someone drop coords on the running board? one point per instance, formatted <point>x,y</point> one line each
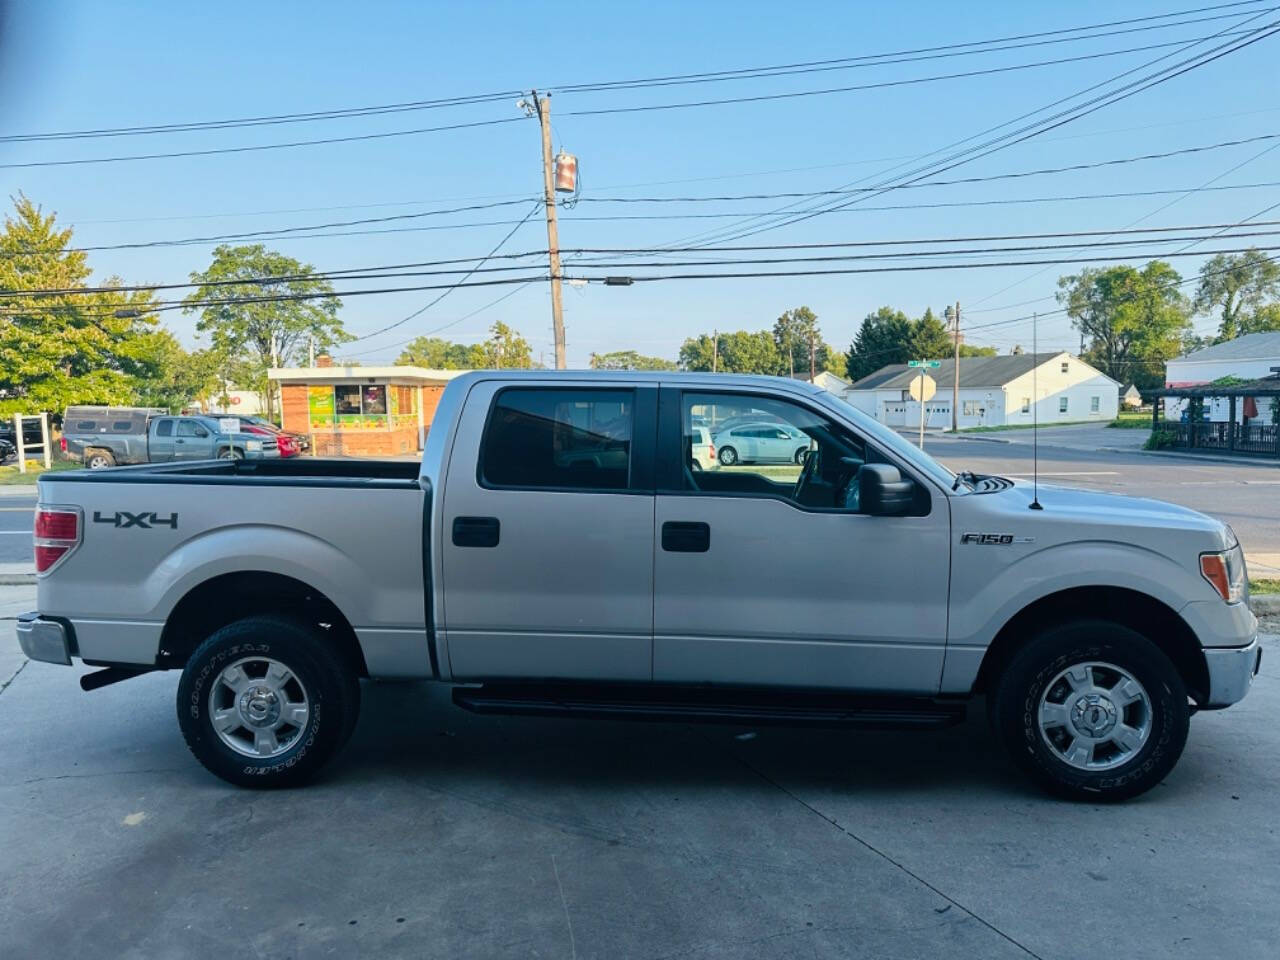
<point>700,704</point>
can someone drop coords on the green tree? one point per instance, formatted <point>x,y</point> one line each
<point>244,326</point>
<point>930,339</point>
<point>792,334</point>
<point>969,350</point>
<point>629,360</point>
<point>883,338</point>
<point>506,349</point>
<point>1237,287</point>
<point>70,347</point>
<point>166,375</point>
<point>738,352</point>
<point>1133,320</point>
<point>436,353</point>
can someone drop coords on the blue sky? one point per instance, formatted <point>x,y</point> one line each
<point>70,66</point>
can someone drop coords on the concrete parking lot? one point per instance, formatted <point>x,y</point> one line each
<point>442,834</point>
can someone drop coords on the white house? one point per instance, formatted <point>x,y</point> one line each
<point>1251,357</point>
<point>994,391</point>
<point>828,381</point>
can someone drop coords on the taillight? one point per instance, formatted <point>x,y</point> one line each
<point>62,441</point>
<point>56,534</point>
<point>711,450</point>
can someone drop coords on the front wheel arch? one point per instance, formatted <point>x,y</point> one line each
<point>1138,611</point>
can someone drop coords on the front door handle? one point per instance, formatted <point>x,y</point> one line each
<point>475,531</point>
<point>680,536</point>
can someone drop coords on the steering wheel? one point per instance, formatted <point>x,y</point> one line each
<point>806,473</point>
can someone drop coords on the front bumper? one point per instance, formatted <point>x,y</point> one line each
<point>1231,672</point>
<point>46,640</point>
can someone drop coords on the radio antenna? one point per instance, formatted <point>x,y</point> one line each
<point>1035,412</point>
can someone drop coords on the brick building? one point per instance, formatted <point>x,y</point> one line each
<point>360,411</point>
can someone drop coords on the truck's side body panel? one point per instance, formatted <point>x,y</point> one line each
<point>358,546</point>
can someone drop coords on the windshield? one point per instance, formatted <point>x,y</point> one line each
<point>890,439</point>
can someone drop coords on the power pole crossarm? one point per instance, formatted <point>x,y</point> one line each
<point>543,105</point>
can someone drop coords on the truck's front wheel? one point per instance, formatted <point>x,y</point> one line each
<point>266,701</point>
<point>1092,710</point>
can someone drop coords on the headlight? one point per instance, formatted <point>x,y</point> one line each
<point>1226,573</point>
<point>253,445</point>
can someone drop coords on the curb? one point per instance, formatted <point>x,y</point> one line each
<point>17,579</point>
<point>1267,603</point>
<point>1197,457</point>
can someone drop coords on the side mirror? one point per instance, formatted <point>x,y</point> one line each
<point>882,491</point>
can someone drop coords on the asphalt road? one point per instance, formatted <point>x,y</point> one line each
<point>443,834</point>
<point>15,528</point>
<point>1245,495</point>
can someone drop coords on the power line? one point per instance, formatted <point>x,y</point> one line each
<point>421,310</point>
<point>883,84</point>
<point>747,73</point>
<point>383,271</point>
<point>254,148</point>
<point>311,228</point>
<point>1036,128</point>
<point>1119,161</point>
<point>379,271</point>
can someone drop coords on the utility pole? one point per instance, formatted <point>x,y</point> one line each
<point>812,358</point>
<point>955,385</point>
<point>715,350</point>
<point>543,106</point>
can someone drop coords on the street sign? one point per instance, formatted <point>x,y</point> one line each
<point>923,388</point>
<point>924,363</point>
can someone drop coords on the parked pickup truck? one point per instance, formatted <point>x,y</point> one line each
<point>556,553</point>
<point>120,436</point>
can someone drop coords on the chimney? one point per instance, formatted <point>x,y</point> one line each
<point>324,360</point>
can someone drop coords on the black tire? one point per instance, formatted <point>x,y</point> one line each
<point>1014,708</point>
<point>727,456</point>
<point>99,459</point>
<point>230,453</point>
<point>801,454</point>
<point>330,683</point>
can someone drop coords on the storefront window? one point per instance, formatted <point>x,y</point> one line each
<point>374,400</point>
<point>347,399</point>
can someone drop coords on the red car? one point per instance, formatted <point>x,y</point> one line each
<point>286,443</point>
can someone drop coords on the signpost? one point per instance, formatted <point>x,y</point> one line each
<point>923,388</point>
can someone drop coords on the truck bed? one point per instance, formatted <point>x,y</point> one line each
<point>295,471</point>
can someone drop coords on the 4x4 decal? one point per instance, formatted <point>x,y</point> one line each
<point>122,520</point>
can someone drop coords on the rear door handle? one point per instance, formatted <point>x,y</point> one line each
<point>475,531</point>
<point>680,536</point>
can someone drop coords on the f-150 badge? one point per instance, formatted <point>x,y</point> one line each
<point>122,520</point>
<point>996,539</point>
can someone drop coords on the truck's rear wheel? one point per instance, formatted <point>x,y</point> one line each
<point>266,701</point>
<point>1092,710</point>
<point>99,460</point>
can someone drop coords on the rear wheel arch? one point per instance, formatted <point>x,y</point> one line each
<point>1138,611</point>
<point>230,597</point>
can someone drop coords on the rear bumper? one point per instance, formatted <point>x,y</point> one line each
<point>45,640</point>
<point>1231,672</point>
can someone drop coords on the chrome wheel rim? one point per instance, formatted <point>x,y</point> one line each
<point>258,707</point>
<point>1095,716</point>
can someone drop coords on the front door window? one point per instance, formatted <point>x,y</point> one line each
<point>771,448</point>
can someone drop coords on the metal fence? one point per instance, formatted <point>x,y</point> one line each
<point>1256,440</point>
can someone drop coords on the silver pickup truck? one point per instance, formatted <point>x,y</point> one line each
<point>561,551</point>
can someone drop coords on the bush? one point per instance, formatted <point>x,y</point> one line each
<point>1159,440</point>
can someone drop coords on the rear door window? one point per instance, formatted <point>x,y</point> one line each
<point>164,428</point>
<point>542,438</point>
